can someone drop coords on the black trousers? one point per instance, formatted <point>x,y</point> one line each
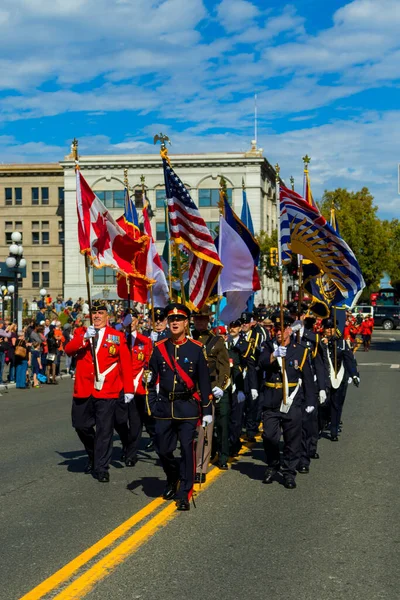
<point>88,413</point>
<point>336,402</point>
<point>168,432</point>
<point>252,414</point>
<point>274,421</point>
<point>138,416</point>
<point>221,428</point>
<point>121,421</point>
<point>235,423</point>
<point>309,435</point>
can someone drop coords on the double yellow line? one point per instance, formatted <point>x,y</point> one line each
<point>84,583</point>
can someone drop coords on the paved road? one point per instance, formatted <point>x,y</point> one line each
<point>335,537</point>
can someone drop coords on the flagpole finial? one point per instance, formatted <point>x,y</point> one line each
<point>277,172</point>
<point>306,160</point>
<point>222,194</point>
<point>292,182</point>
<point>142,181</point>
<point>243,184</point>
<point>126,182</point>
<point>74,152</point>
<point>160,137</point>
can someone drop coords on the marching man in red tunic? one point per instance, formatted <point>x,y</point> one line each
<point>94,399</point>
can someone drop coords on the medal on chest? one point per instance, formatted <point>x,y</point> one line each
<point>112,350</point>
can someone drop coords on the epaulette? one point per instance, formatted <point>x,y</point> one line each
<point>195,342</point>
<point>161,341</point>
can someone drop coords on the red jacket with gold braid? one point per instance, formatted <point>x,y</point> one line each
<point>111,350</point>
<point>141,353</point>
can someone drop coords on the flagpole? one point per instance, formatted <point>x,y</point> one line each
<point>280,269</point>
<point>178,264</point>
<point>89,296</point>
<point>168,240</point>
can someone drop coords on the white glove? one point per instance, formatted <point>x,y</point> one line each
<point>350,380</point>
<point>356,380</point>
<point>233,388</point>
<point>154,336</point>
<point>207,419</point>
<point>254,394</point>
<point>280,351</point>
<point>217,392</point>
<point>297,325</point>
<point>90,332</point>
<point>241,397</point>
<point>309,409</point>
<point>322,396</point>
<point>128,398</point>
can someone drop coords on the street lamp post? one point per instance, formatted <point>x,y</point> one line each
<point>15,261</point>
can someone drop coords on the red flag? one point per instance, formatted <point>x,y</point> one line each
<point>154,266</point>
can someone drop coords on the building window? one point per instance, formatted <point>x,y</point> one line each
<point>45,224</point>
<point>35,265</point>
<point>35,238</point>
<point>61,238</point>
<point>210,197</point>
<point>8,225</point>
<point>160,198</point>
<point>8,237</point>
<point>35,279</point>
<point>112,198</point>
<point>35,225</point>
<point>60,195</point>
<point>161,233</point>
<point>18,226</point>
<point>45,195</point>
<point>18,196</point>
<point>45,237</point>
<point>105,276</point>
<point>35,195</point>
<point>60,226</point>
<point>45,278</point>
<point>213,227</point>
<point>45,265</point>
<point>8,196</point>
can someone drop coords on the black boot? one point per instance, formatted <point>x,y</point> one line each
<point>170,490</point>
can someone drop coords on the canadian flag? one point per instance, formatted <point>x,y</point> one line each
<point>154,268</point>
<point>101,238</point>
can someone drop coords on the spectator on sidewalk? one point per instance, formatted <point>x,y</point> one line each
<point>4,338</point>
<point>11,352</point>
<point>41,315</point>
<point>21,362</point>
<point>35,363</point>
<point>51,360</point>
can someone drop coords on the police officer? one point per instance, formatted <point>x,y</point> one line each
<point>94,399</point>
<point>342,369</point>
<point>179,366</point>
<point>251,409</point>
<point>242,363</point>
<point>283,416</point>
<point>218,364</point>
<point>160,329</point>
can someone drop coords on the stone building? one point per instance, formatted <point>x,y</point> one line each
<point>199,172</point>
<point>32,202</point>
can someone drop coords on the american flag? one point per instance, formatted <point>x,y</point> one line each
<point>187,227</point>
<point>305,231</point>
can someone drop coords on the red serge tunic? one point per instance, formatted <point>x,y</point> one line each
<point>111,349</point>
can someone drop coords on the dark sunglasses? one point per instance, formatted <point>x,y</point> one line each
<point>176,318</point>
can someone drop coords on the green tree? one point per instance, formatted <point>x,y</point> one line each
<point>361,228</point>
<point>392,229</point>
<point>267,242</point>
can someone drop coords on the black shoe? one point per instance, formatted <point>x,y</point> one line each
<point>104,477</point>
<point>269,476</point>
<point>315,456</point>
<point>170,490</point>
<point>183,504</point>
<point>289,483</point>
<point>334,438</point>
<point>131,462</point>
<point>89,468</point>
<point>223,466</point>
<point>150,446</point>
<point>303,469</point>
<point>197,478</point>
<point>122,458</point>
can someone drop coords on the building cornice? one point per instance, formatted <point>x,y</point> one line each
<point>31,169</point>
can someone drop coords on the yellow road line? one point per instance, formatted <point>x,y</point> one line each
<point>69,569</point>
<point>104,567</point>
<point>101,569</point>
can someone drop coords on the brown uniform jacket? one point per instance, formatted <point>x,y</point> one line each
<point>217,358</point>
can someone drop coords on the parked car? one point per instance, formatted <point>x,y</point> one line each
<point>387,316</point>
<point>362,310</point>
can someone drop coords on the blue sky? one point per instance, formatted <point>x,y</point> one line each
<point>115,72</point>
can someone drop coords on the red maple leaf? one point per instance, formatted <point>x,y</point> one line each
<point>103,239</point>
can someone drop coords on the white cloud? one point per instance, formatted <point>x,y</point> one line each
<point>236,15</point>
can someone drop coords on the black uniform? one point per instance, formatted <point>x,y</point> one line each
<point>298,374</point>
<point>346,367</point>
<point>175,409</point>
<point>242,368</point>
